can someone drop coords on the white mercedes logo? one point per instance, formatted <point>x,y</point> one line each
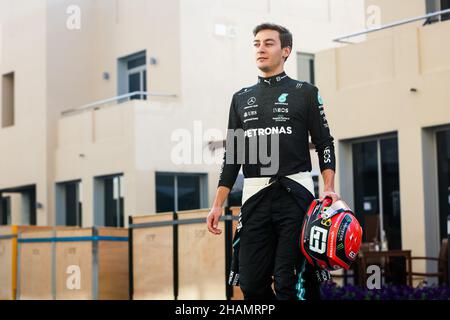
<point>252,100</point>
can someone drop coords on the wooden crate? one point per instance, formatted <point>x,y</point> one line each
<point>8,258</point>
<point>8,262</point>
<point>237,292</point>
<point>152,256</point>
<point>201,258</point>
<point>74,263</point>
<point>35,265</point>
<point>74,258</point>
<point>99,256</point>
<point>113,272</point>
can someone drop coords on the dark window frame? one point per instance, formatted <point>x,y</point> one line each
<point>203,189</point>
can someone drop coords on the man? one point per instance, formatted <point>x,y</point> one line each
<point>276,195</point>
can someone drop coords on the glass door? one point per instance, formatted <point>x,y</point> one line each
<point>443,158</point>
<point>377,191</point>
<point>137,75</point>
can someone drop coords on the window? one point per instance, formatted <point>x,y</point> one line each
<point>5,211</point>
<point>305,67</point>
<point>445,4</point>
<point>109,201</point>
<point>180,191</point>
<point>8,100</point>
<point>377,189</point>
<point>18,205</point>
<point>28,203</point>
<point>437,5</point>
<point>443,157</point>
<point>133,75</point>
<point>69,204</point>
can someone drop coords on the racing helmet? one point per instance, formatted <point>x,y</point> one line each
<point>331,235</point>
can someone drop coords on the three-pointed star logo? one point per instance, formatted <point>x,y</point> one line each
<point>252,100</point>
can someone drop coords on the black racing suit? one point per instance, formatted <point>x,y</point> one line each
<point>270,233</point>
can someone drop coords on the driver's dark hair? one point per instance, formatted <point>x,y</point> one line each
<point>285,34</point>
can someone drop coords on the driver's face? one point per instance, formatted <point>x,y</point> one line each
<point>268,52</point>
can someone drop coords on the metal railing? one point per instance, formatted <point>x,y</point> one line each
<point>122,98</point>
<point>390,25</point>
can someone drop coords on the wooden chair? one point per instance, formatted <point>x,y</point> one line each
<point>395,266</point>
<point>441,273</point>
